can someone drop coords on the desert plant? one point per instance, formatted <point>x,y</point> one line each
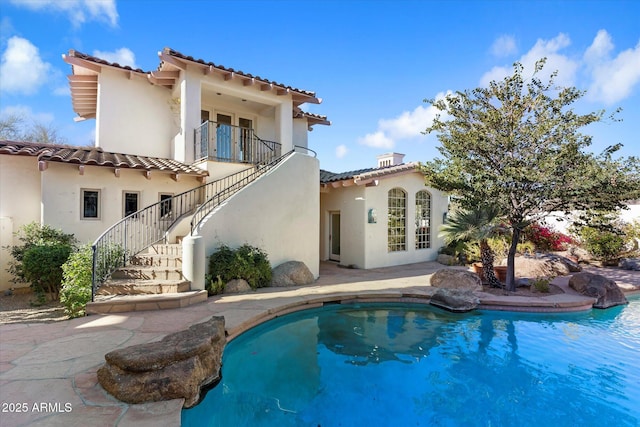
<point>76,282</point>
<point>31,235</point>
<point>41,266</point>
<point>246,262</point>
<point>541,284</point>
<point>602,244</point>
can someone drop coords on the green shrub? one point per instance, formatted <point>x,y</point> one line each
<point>246,262</point>
<point>602,244</point>
<point>214,286</point>
<point>76,282</point>
<point>31,235</point>
<point>42,267</point>
<point>541,284</point>
<point>109,258</point>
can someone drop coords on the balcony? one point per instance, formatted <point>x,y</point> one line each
<point>222,142</point>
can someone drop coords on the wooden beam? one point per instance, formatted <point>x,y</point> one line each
<point>230,76</point>
<point>81,169</point>
<point>116,172</point>
<point>82,78</point>
<point>42,165</point>
<point>209,70</point>
<point>81,85</point>
<point>147,174</point>
<point>282,91</point>
<point>166,74</point>
<point>175,177</point>
<point>172,60</point>
<point>82,63</point>
<point>202,179</point>
<point>266,86</point>
<point>249,82</point>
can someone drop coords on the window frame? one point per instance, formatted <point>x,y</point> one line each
<point>397,206</point>
<point>83,204</point>
<point>124,202</point>
<point>423,239</point>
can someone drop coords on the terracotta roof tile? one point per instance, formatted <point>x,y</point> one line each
<point>327,177</point>
<point>80,55</point>
<point>95,156</point>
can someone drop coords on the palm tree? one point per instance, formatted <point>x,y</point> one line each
<point>475,226</point>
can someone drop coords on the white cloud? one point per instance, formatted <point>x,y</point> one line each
<point>612,79</point>
<point>556,61</point>
<point>341,151</point>
<point>78,11</point>
<point>21,68</point>
<point>122,56</point>
<point>409,124</point>
<point>504,46</point>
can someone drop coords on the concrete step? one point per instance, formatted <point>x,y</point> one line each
<point>147,273</point>
<point>142,287</point>
<point>125,303</point>
<point>165,249</point>
<point>156,260</point>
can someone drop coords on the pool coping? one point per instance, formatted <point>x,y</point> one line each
<point>64,356</point>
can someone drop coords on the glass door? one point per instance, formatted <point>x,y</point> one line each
<point>246,151</point>
<point>334,236</point>
<point>224,137</point>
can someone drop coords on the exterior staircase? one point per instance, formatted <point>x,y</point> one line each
<point>152,280</point>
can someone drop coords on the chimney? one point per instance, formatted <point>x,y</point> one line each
<point>389,159</point>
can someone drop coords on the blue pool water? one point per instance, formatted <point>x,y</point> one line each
<point>409,365</point>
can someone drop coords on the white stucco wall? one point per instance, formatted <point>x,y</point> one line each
<point>365,245</point>
<point>19,205</point>
<point>278,213</point>
<point>133,116</point>
<point>300,133</point>
<point>61,200</point>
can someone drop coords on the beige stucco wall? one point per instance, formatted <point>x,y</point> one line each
<point>19,205</point>
<point>61,200</point>
<point>365,245</point>
<point>278,213</point>
<point>134,117</point>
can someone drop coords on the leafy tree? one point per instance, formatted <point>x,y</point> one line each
<point>516,145</point>
<point>476,225</point>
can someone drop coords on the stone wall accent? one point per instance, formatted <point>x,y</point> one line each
<point>291,273</point>
<point>606,291</point>
<point>630,264</point>
<point>175,367</point>
<point>456,300</point>
<point>449,278</point>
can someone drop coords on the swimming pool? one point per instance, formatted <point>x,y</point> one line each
<point>413,365</point>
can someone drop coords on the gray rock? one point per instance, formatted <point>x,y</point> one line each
<point>445,259</point>
<point>449,278</point>
<point>177,366</point>
<point>291,273</point>
<point>630,264</point>
<point>455,300</point>
<point>236,286</point>
<point>604,290</point>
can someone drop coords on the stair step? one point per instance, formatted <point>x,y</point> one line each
<point>156,260</point>
<point>124,303</point>
<point>146,273</point>
<point>142,287</point>
<point>165,249</point>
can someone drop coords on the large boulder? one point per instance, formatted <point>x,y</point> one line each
<point>449,278</point>
<point>546,265</point>
<point>456,300</point>
<point>177,366</point>
<point>606,291</point>
<point>630,264</point>
<point>291,273</point>
<point>236,286</point>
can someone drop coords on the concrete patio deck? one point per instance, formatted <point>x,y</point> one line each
<point>48,371</point>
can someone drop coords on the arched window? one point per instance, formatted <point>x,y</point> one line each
<point>423,220</point>
<point>397,223</point>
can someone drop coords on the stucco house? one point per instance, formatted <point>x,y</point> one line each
<point>198,153</point>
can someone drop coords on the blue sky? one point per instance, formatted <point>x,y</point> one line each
<point>372,62</point>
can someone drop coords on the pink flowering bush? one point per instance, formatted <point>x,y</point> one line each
<point>547,239</point>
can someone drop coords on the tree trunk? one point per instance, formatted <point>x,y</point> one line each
<point>511,260</point>
<point>486,256</point>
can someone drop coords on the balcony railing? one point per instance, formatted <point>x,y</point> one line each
<point>227,143</point>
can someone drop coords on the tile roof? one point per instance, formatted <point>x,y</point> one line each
<point>361,174</point>
<point>76,54</point>
<point>179,55</point>
<point>95,156</point>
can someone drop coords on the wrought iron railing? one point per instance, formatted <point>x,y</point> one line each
<point>227,143</point>
<point>211,203</point>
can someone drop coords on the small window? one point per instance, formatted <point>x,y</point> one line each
<point>423,220</point>
<point>131,202</point>
<point>165,206</point>
<point>90,204</point>
<point>396,226</point>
